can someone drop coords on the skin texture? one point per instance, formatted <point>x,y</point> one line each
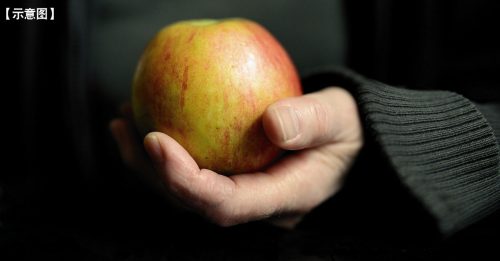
<point>322,130</point>
<point>207,83</point>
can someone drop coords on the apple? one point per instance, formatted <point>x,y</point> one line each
<point>206,83</point>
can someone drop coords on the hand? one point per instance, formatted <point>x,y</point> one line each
<point>322,129</point>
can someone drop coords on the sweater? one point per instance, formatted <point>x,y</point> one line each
<point>442,146</point>
<point>440,131</point>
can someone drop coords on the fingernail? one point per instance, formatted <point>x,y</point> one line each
<point>153,147</point>
<point>288,122</point>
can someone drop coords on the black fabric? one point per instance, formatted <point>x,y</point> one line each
<point>444,45</point>
<point>492,114</point>
<point>429,45</point>
<point>441,146</point>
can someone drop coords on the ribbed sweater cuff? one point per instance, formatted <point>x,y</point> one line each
<point>440,145</point>
<point>492,114</point>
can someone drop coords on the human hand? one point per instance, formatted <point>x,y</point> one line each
<point>322,129</point>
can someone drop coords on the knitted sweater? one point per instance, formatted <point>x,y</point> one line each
<point>443,147</point>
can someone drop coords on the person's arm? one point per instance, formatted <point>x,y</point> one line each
<point>441,145</point>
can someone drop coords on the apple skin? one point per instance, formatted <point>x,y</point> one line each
<point>206,83</point>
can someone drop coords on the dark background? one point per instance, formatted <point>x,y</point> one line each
<point>65,195</point>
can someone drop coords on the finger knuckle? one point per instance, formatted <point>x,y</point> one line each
<point>320,114</point>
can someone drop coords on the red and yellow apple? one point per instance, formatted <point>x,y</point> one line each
<point>206,83</point>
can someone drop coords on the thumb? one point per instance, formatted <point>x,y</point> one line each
<point>315,119</point>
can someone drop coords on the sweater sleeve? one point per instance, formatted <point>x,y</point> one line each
<point>439,143</point>
<point>492,113</point>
